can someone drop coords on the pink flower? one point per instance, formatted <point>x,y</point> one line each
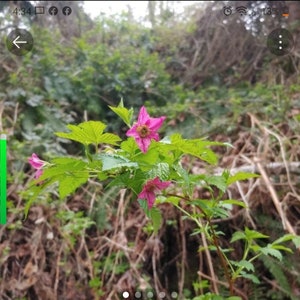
<point>37,164</point>
<point>145,129</point>
<point>151,187</point>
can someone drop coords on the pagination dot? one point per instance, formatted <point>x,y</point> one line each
<point>174,295</point>
<point>125,295</point>
<point>162,295</point>
<point>150,295</point>
<point>138,295</point>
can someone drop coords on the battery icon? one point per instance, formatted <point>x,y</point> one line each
<point>285,11</point>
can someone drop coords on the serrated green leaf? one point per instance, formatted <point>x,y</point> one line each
<point>90,132</point>
<point>234,202</point>
<point>285,238</point>
<point>86,133</point>
<point>241,176</point>
<point>281,248</point>
<point>238,235</point>
<point>196,147</point>
<point>243,264</point>
<point>63,166</point>
<point>270,251</point>
<point>110,162</point>
<point>252,234</point>
<point>68,184</point>
<point>296,241</point>
<point>124,113</point>
<point>109,138</point>
<point>161,170</point>
<point>173,200</point>
<point>130,181</point>
<point>252,277</point>
<point>218,181</point>
<point>156,218</point>
<point>129,146</point>
<point>148,159</point>
<point>144,205</point>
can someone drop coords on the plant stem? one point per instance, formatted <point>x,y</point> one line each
<point>214,239</point>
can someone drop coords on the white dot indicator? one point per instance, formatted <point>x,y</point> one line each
<point>280,48</point>
<point>162,295</point>
<point>138,295</point>
<point>150,295</point>
<point>125,295</point>
<point>280,36</point>
<point>280,42</point>
<point>174,295</point>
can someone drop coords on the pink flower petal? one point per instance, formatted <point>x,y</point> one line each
<point>145,129</point>
<point>143,144</point>
<point>154,136</point>
<point>150,188</point>
<point>35,162</point>
<point>38,173</point>
<point>151,200</point>
<point>143,116</point>
<point>156,123</point>
<point>133,131</point>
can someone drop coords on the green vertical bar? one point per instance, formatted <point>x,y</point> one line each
<point>2,179</point>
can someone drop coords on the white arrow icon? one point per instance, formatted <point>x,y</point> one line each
<point>16,42</point>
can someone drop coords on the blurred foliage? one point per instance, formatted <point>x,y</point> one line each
<point>117,58</point>
<point>193,68</point>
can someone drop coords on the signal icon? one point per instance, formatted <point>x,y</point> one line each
<point>242,10</point>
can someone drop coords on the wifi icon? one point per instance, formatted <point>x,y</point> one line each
<point>242,10</point>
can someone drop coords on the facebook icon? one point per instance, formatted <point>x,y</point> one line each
<point>53,10</point>
<point>67,10</point>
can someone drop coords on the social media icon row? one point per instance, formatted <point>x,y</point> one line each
<point>53,10</point>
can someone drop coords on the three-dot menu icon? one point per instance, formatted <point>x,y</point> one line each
<point>280,42</point>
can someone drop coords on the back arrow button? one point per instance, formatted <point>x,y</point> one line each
<point>19,42</point>
<point>16,42</point>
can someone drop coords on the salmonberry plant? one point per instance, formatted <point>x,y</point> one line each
<point>151,168</point>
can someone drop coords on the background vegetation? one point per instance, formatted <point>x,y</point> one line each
<point>211,76</point>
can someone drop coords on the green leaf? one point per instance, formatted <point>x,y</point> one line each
<point>270,251</point>
<point>285,238</point>
<point>63,166</point>
<point>124,113</point>
<point>241,176</point>
<point>296,241</point>
<point>173,200</point>
<point>131,181</point>
<point>252,234</point>
<point>238,235</point>
<point>281,248</point>
<point>161,170</point>
<point>147,160</point>
<point>90,132</point>
<point>218,181</point>
<point>234,202</point>
<point>110,161</point>
<point>68,184</point>
<point>196,147</point>
<point>243,264</point>
<point>109,138</point>
<point>129,146</point>
<point>156,218</point>
<point>252,277</point>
